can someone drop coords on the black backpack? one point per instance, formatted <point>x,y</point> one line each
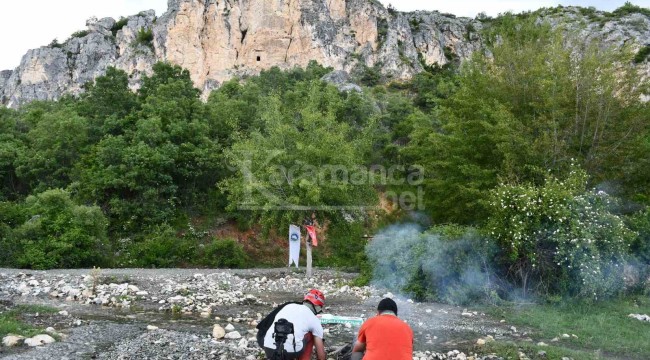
<point>267,322</point>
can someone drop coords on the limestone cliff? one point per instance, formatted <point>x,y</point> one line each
<point>218,39</point>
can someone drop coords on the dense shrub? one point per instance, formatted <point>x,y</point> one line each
<point>11,215</point>
<point>560,238</point>
<point>642,54</point>
<point>343,246</point>
<point>55,44</point>
<point>640,223</point>
<point>370,76</point>
<point>80,34</point>
<point>144,37</point>
<point>162,247</point>
<point>159,248</point>
<point>222,254</point>
<point>629,8</point>
<point>119,25</point>
<point>59,234</point>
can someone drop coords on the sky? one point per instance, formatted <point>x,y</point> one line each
<point>30,24</point>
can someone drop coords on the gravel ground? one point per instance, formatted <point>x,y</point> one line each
<point>171,313</point>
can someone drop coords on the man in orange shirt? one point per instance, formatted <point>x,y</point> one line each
<point>384,336</point>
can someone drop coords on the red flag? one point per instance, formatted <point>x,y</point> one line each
<point>312,234</point>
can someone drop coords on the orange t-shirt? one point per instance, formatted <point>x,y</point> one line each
<point>386,337</point>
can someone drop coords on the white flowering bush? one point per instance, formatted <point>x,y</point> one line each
<point>560,238</point>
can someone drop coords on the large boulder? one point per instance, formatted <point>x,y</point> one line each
<point>39,340</point>
<point>12,340</point>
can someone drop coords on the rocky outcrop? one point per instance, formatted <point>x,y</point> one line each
<point>51,71</point>
<point>341,80</point>
<point>219,39</point>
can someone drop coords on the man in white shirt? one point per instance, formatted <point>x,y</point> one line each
<point>307,329</point>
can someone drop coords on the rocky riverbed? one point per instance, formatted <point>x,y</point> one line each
<point>211,314</point>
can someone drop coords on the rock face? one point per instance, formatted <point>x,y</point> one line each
<point>219,39</point>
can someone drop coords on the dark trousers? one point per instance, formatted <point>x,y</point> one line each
<point>304,353</point>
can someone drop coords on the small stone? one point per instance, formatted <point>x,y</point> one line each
<point>230,327</point>
<point>63,313</point>
<point>541,353</point>
<point>218,332</point>
<point>541,343</point>
<point>233,335</point>
<point>152,327</point>
<point>480,342</point>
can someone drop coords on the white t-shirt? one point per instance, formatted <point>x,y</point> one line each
<point>304,321</point>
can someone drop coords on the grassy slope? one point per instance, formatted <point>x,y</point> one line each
<point>11,322</point>
<point>603,330</point>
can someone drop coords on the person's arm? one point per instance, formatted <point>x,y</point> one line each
<point>320,348</point>
<point>359,347</point>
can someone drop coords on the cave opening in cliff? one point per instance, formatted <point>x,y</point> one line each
<point>259,58</point>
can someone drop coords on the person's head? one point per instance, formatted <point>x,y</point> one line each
<point>387,304</point>
<point>316,300</point>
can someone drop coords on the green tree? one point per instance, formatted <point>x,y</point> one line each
<point>11,144</point>
<point>106,102</point>
<point>165,163</point>
<point>300,160</point>
<point>53,144</point>
<point>11,216</point>
<point>533,106</point>
<point>108,95</point>
<point>59,233</point>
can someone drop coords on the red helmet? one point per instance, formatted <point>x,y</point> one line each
<point>315,297</point>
